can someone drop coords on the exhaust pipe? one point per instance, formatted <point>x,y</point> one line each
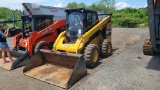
<point>56,68</point>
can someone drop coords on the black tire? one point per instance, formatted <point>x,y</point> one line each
<point>91,55</point>
<point>105,48</point>
<point>41,44</point>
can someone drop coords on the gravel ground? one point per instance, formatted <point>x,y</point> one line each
<point>126,69</point>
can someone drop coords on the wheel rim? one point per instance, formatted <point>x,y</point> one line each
<point>45,47</point>
<point>109,48</point>
<point>95,56</point>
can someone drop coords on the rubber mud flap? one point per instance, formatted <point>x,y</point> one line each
<point>55,68</point>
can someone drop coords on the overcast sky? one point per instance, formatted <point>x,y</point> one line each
<point>16,4</point>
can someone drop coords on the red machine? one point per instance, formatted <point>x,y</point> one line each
<point>40,28</point>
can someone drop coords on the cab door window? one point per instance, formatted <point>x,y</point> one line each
<point>91,19</point>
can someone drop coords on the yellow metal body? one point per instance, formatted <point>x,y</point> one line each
<point>92,36</point>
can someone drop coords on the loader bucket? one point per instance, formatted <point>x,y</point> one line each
<point>56,68</point>
<point>20,57</point>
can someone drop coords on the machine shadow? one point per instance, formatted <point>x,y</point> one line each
<point>114,49</point>
<point>154,63</point>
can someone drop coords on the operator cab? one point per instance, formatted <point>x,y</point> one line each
<point>79,21</point>
<point>32,23</point>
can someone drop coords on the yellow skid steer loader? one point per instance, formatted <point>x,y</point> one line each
<point>86,37</point>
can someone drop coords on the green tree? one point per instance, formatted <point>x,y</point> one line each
<point>130,17</point>
<point>76,5</point>
<point>103,5</point>
<point>109,3</point>
<point>72,5</point>
<point>7,14</point>
<point>81,5</point>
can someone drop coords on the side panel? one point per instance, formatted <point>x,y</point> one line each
<point>153,20</point>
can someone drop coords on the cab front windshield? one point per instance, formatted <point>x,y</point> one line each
<point>74,25</point>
